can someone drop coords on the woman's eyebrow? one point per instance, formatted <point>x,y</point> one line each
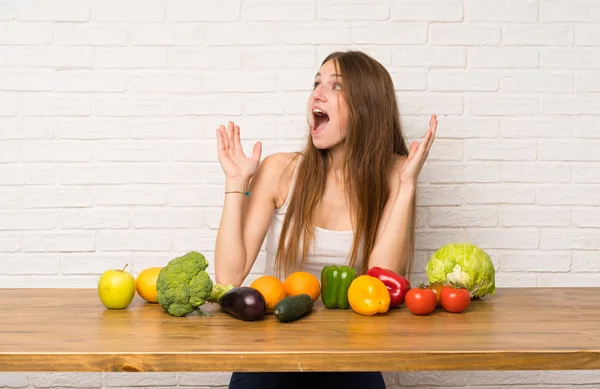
<point>331,75</point>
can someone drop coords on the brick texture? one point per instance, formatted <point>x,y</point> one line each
<point>108,112</point>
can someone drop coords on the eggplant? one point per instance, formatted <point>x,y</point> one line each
<point>244,303</point>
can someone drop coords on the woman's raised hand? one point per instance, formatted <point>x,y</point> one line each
<point>417,155</point>
<point>234,162</point>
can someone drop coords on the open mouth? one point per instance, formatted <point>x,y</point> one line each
<point>320,119</point>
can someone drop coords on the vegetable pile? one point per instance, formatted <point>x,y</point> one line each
<point>375,292</point>
<point>457,273</point>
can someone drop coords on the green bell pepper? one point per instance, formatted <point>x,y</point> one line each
<point>335,281</point>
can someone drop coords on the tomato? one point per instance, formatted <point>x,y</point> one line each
<point>420,301</point>
<point>455,300</point>
<point>437,288</point>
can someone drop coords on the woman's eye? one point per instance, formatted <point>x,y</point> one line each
<point>334,86</point>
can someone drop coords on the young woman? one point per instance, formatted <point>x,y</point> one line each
<point>346,199</point>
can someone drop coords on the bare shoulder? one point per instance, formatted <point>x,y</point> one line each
<point>278,169</point>
<point>277,164</point>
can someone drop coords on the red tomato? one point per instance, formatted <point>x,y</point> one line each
<point>420,301</point>
<point>455,300</point>
<point>437,288</point>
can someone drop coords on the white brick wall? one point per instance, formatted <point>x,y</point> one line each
<point>107,149</point>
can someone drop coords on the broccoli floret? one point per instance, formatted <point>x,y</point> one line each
<point>184,285</point>
<point>200,289</point>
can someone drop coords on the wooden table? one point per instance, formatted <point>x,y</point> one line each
<point>515,329</point>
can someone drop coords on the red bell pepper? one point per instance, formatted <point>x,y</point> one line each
<point>396,284</point>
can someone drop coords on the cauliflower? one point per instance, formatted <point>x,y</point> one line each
<point>184,285</point>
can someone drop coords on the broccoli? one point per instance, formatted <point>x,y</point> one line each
<point>184,285</point>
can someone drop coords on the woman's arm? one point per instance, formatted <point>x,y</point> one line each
<point>245,219</point>
<point>391,248</point>
<point>244,225</point>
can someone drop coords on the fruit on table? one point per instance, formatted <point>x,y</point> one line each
<point>184,285</point>
<point>293,307</point>
<point>116,288</point>
<point>145,283</point>
<point>244,303</point>
<point>272,290</point>
<point>302,282</point>
<point>368,296</point>
<point>455,299</point>
<point>335,282</point>
<point>421,300</point>
<point>396,284</point>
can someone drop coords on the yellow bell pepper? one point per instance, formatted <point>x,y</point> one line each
<point>368,295</point>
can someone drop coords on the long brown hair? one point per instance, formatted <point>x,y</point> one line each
<point>374,136</point>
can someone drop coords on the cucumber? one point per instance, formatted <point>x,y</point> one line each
<point>293,307</point>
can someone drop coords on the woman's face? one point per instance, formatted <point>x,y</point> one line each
<point>328,110</point>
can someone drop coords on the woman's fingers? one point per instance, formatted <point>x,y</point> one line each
<point>422,146</point>
<point>432,130</point>
<point>230,135</point>
<point>220,143</point>
<point>224,137</point>
<point>256,151</point>
<point>238,142</point>
<point>230,151</point>
<point>414,147</point>
<point>427,141</point>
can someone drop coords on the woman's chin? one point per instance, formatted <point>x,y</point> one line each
<point>322,144</point>
<point>319,144</point>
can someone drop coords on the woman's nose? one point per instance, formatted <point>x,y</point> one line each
<point>318,94</point>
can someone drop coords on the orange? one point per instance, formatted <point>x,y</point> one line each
<point>145,284</point>
<point>302,282</point>
<point>271,289</point>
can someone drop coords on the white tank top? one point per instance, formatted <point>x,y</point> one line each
<point>329,247</point>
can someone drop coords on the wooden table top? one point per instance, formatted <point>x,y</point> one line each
<point>515,329</point>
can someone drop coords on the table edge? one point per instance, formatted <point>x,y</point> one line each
<point>300,361</point>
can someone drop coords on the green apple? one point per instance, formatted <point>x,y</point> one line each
<point>116,288</point>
